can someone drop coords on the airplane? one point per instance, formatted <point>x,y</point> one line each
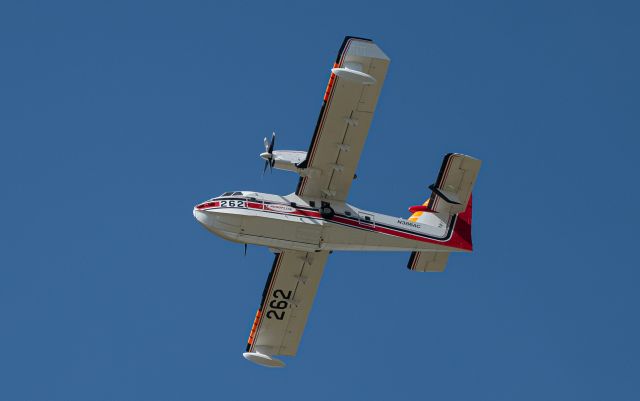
<point>305,227</point>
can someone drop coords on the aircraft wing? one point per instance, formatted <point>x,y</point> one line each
<point>286,301</point>
<point>344,120</point>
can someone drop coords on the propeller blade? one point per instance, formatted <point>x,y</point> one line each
<point>273,142</point>
<point>266,145</point>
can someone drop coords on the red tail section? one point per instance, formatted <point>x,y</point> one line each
<point>461,237</point>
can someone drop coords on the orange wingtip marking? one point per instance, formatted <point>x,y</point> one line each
<point>254,327</point>
<point>332,78</point>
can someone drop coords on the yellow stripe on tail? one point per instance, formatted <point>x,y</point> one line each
<point>414,217</point>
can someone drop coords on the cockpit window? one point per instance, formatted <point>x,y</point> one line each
<point>236,193</point>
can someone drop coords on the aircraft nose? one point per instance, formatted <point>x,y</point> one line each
<point>200,216</point>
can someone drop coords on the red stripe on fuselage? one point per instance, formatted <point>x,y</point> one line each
<point>396,232</point>
<point>255,205</point>
<point>208,205</point>
<point>388,231</point>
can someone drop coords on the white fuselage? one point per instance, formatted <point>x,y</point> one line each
<point>289,222</point>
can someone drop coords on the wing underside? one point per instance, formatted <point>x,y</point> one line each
<point>343,124</point>
<point>286,301</point>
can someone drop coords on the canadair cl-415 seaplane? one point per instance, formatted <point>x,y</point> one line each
<point>303,228</point>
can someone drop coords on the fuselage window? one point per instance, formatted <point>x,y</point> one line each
<point>236,193</point>
<point>226,194</point>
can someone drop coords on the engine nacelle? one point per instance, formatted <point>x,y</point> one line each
<point>285,159</point>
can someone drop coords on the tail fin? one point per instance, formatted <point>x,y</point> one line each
<point>430,261</point>
<point>451,191</point>
<point>451,195</point>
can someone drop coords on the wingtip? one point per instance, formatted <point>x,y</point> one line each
<point>263,360</point>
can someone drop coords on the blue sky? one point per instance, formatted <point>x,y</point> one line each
<point>117,117</point>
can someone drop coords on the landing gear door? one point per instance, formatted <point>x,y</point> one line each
<point>367,219</point>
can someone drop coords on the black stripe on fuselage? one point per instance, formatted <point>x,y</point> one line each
<point>452,222</point>
<point>401,229</point>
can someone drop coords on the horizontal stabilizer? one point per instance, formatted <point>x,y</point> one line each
<point>450,197</point>
<point>454,185</point>
<point>428,261</point>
